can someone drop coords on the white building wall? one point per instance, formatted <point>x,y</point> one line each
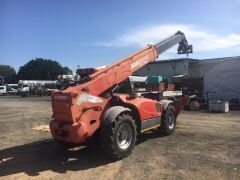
<point>166,69</point>
<point>222,76</point>
<point>194,70</point>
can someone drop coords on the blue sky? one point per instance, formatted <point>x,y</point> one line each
<point>94,33</point>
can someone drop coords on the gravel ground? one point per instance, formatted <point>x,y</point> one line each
<point>204,146</point>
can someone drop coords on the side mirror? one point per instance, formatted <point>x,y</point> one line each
<point>165,84</point>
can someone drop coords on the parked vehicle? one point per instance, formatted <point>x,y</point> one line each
<point>3,90</point>
<point>35,87</point>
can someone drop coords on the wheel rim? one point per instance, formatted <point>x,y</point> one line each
<point>124,136</point>
<point>171,122</point>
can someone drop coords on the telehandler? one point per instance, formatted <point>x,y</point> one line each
<point>95,105</point>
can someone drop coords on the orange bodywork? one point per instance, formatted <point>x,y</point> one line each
<point>147,108</point>
<point>74,120</point>
<point>78,110</point>
<point>76,123</point>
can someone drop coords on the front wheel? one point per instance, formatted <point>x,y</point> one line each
<point>118,138</point>
<point>168,122</point>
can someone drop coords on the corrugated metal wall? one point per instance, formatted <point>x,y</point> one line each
<point>166,69</point>
<point>223,77</point>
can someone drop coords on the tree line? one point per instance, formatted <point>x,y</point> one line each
<point>35,69</point>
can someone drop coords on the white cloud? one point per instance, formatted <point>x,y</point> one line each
<point>202,40</point>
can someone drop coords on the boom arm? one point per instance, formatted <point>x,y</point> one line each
<point>112,75</point>
<point>180,38</point>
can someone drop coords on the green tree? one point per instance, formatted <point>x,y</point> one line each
<point>41,69</point>
<point>66,70</point>
<point>8,73</point>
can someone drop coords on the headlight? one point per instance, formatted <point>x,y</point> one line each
<point>88,98</point>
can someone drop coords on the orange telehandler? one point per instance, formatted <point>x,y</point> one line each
<point>95,105</point>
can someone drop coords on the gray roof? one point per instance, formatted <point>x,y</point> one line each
<point>223,58</point>
<point>194,60</point>
<point>174,60</point>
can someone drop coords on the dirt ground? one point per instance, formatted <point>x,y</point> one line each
<point>204,146</point>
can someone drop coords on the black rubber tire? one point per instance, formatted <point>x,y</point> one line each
<point>109,135</point>
<point>166,128</point>
<point>194,105</point>
<point>25,94</point>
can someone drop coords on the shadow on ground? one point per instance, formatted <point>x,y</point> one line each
<point>45,155</point>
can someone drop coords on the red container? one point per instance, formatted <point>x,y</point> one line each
<point>159,87</point>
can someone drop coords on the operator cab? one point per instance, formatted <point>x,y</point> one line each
<point>85,72</point>
<point>145,87</point>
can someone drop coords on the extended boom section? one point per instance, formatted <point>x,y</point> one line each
<point>178,38</point>
<point>119,71</point>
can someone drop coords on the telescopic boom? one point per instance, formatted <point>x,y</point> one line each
<point>114,74</point>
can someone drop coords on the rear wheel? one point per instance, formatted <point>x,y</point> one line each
<point>168,123</point>
<point>194,105</point>
<point>118,138</point>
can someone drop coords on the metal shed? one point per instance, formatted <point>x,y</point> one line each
<point>220,75</point>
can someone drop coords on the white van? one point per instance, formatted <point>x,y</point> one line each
<point>3,90</point>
